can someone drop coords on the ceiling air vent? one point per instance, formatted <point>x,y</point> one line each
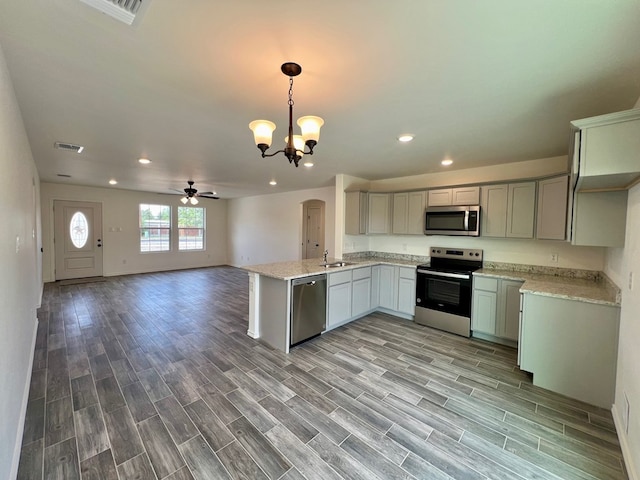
<point>69,146</point>
<point>123,10</point>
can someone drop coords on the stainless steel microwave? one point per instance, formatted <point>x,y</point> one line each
<point>455,220</point>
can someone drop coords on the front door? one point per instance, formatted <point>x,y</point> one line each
<point>313,227</point>
<point>78,239</point>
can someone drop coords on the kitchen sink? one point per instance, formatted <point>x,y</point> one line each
<point>335,264</point>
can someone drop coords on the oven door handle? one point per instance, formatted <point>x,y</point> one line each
<point>445,274</point>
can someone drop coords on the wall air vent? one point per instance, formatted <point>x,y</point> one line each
<point>69,146</point>
<point>123,10</point>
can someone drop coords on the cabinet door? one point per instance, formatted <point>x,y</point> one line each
<point>465,196</point>
<point>484,312</point>
<point>339,304</point>
<point>521,210</point>
<point>361,296</point>
<point>551,220</point>
<point>415,213</point>
<point>355,213</point>
<point>599,218</point>
<point>407,296</point>
<point>388,287</point>
<point>439,198</point>
<point>375,287</point>
<point>493,216</point>
<point>510,314</point>
<point>379,213</point>
<point>400,212</point>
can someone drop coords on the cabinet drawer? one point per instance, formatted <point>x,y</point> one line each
<point>484,283</point>
<point>364,272</point>
<point>408,272</point>
<point>339,277</point>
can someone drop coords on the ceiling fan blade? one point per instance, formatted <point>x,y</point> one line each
<point>181,192</point>
<point>209,196</point>
<point>205,193</point>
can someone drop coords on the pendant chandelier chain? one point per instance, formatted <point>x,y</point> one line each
<point>291,91</point>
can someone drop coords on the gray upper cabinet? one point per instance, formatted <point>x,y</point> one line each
<point>379,217</point>
<point>408,213</point>
<point>552,208</point>
<point>521,210</point>
<point>443,197</point>
<point>508,210</point>
<point>355,218</point>
<point>609,151</point>
<point>493,214</point>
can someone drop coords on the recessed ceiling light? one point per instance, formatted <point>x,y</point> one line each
<point>446,162</point>
<point>405,137</point>
<point>113,182</point>
<point>144,161</point>
<point>273,182</point>
<point>308,163</point>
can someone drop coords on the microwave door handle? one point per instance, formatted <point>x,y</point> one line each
<point>466,220</point>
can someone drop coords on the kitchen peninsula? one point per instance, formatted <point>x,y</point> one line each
<point>356,287</point>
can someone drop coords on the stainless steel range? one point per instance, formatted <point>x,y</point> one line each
<point>444,287</point>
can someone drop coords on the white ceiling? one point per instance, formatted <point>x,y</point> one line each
<point>482,82</point>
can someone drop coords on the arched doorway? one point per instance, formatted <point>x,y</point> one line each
<point>312,229</point>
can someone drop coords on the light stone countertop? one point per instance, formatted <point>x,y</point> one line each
<point>313,266</point>
<point>593,289</point>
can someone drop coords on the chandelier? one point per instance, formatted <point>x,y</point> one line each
<point>309,126</point>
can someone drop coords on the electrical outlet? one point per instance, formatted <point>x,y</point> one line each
<point>554,258</point>
<point>630,281</point>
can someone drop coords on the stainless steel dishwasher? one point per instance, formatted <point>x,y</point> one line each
<point>308,308</point>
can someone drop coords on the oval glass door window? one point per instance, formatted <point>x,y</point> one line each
<point>79,230</point>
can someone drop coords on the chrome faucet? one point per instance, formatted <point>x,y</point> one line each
<point>324,256</point>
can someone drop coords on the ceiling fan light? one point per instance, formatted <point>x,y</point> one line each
<point>310,127</point>
<point>184,200</point>
<point>262,131</point>
<point>193,200</point>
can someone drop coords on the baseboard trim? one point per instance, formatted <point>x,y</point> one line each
<point>23,410</point>
<point>624,446</point>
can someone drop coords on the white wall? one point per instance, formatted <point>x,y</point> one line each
<point>541,167</point>
<point>620,263</point>
<point>268,228</point>
<point>122,248</point>
<point>20,281</point>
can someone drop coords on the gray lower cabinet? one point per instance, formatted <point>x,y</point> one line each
<point>349,296</point>
<point>394,288</point>
<point>361,292</point>
<point>495,309</point>
<point>571,347</point>
<point>338,298</point>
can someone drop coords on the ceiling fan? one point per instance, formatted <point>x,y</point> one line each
<point>191,195</point>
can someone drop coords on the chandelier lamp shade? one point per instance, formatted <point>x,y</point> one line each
<point>294,144</point>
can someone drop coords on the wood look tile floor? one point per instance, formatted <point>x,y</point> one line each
<point>153,376</point>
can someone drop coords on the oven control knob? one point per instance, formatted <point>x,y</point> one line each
<point>418,300</point>
<point>471,254</point>
<point>477,254</point>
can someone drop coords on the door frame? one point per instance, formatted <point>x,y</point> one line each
<point>305,205</point>
<point>54,213</point>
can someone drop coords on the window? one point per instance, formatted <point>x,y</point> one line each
<point>190,228</point>
<point>155,228</point>
<point>79,230</point>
